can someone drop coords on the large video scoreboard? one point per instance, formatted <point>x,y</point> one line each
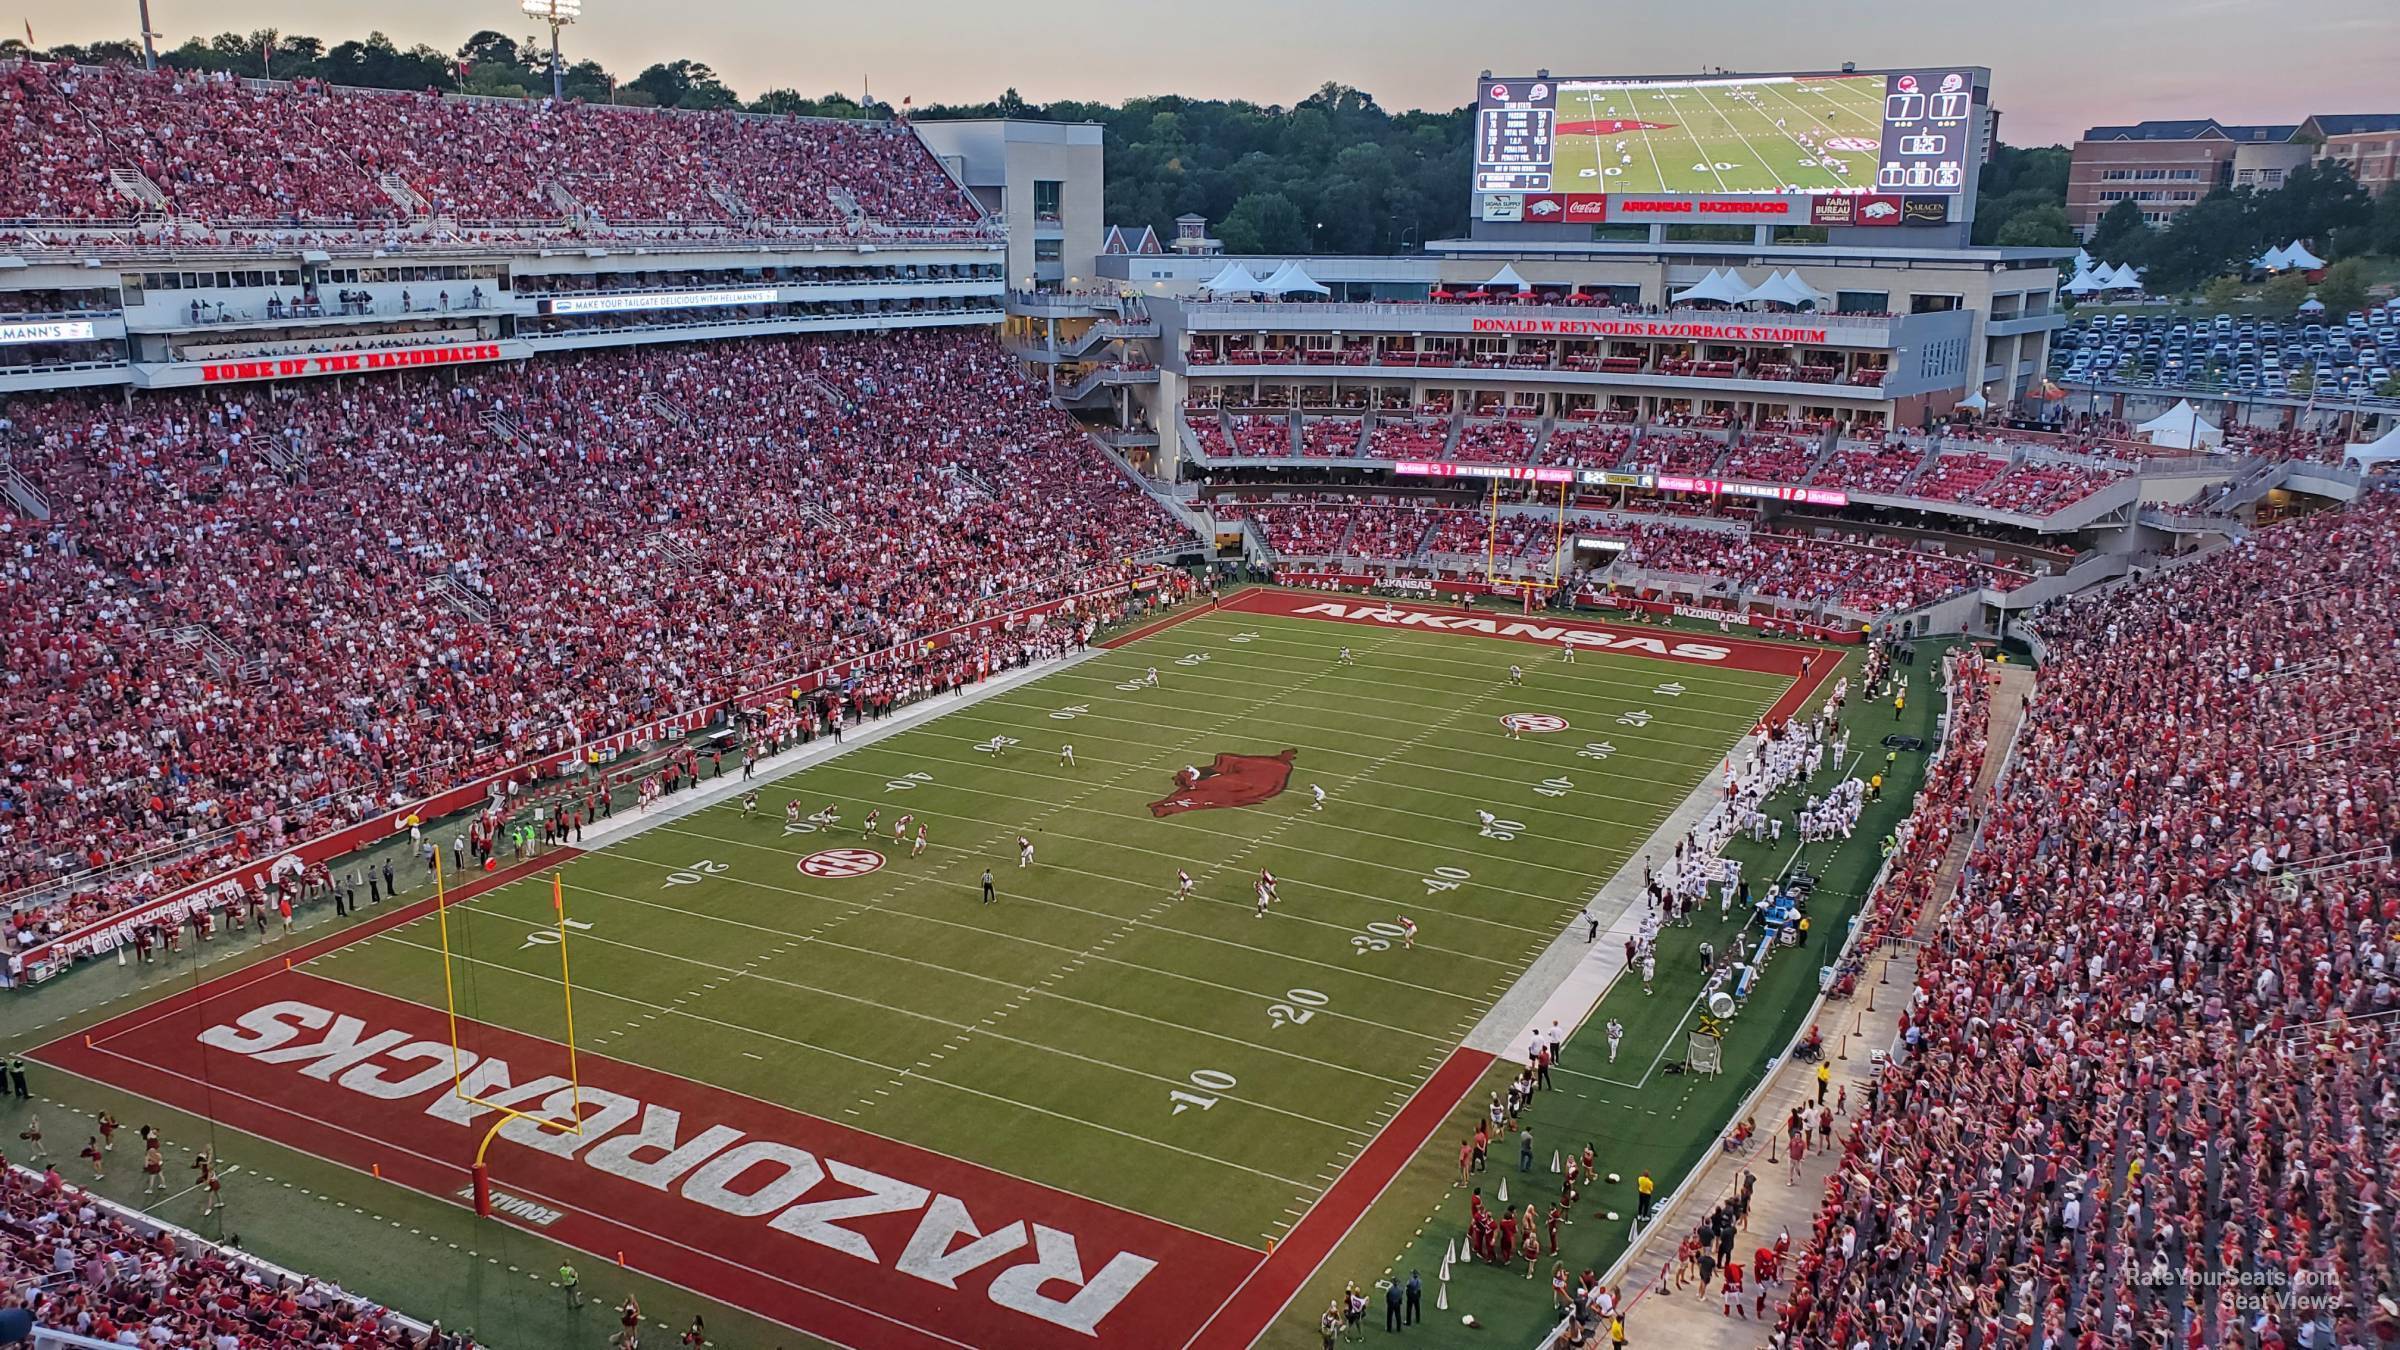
<point>1837,147</point>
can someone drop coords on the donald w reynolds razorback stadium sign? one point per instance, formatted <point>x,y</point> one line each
<point>1645,328</point>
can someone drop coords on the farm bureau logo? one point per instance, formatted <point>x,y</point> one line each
<point>1234,780</point>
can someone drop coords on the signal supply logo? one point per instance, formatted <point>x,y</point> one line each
<point>836,864</point>
<point>1540,724</point>
<point>1234,780</point>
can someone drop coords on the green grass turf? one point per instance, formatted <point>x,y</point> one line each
<point>1714,143</point>
<point>1044,1036</point>
<point>1633,1114</point>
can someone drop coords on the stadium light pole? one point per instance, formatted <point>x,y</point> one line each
<point>558,14</point>
<point>149,39</point>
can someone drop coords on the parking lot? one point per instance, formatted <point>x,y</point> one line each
<point>2350,354</point>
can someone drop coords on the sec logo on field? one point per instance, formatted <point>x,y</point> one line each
<point>836,863</point>
<point>1540,724</point>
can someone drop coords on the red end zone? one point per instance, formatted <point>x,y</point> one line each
<point>858,1239</point>
<point>1808,668</point>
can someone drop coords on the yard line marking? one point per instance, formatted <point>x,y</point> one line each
<point>973,888</point>
<point>1382,903</point>
<point>1735,128</point>
<point>656,953</point>
<point>1657,730</point>
<point>1427,647</point>
<point>739,1029</point>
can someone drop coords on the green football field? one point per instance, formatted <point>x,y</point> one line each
<point>1702,138</point>
<point>1182,1061</point>
<point>1166,1067</point>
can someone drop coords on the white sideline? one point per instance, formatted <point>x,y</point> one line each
<point>632,820</point>
<point>1568,980</point>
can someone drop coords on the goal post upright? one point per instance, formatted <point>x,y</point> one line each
<point>480,1171</point>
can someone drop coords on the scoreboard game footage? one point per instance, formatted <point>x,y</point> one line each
<point>1566,144</point>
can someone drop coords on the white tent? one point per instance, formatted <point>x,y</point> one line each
<point>2086,283</point>
<point>2312,305</point>
<point>2181,428</point>
<point>2273,260</point>
<point>2083,262</point>
<point>1288,279</point>
<point>2367,456</point>
<point>1975,402</point>
<point>1506,279</point>
<point>1232,280</point>
<point>1784,288</point>
<point>2125,278</point>
<point>2294,255</point>
<point>1726,288</point>
<point>1710,287</point>
<point>1808,294</point>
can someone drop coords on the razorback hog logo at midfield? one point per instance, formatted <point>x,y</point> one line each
<point>1234,780</point>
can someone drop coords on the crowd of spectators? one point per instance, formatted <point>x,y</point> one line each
<point>1584,446</point>
<point>1498,442</point>
<point>258,612</point>
<point>1300,530</point>
<point>1387,533</point>
<point>1404,438</point>
<point>227,152</point>
<point>88,1271</point>
<point>1330,437</point>
<point>2143,1095</point>
<point>1844,569</point>
<point>1882,469</point>
<point>1476,535</point>
<point>1770,459</point>
<point>1960,476</point>
<point>1678,452</point>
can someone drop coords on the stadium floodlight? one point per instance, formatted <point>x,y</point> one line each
<point>558,14</point>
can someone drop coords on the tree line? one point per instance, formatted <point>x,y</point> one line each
<point>2208,245</point>
<point>1335,172</point>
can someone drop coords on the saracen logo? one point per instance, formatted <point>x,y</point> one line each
<point>1234,780</point>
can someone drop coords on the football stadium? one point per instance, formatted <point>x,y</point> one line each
<point>774,728</point>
